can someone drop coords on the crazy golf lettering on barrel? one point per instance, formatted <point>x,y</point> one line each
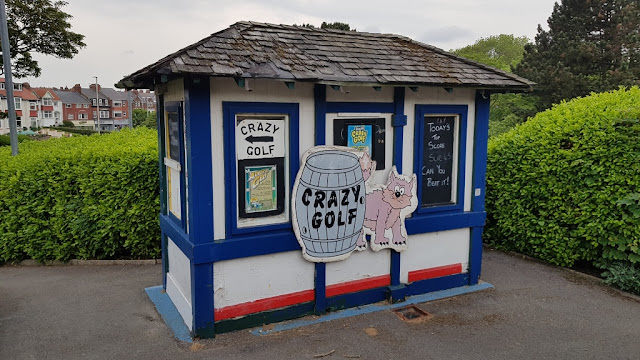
<point>328,203</point>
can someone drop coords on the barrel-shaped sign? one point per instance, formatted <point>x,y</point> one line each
<point>328,203</point>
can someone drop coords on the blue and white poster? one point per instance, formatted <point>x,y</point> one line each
<point>360,138</point>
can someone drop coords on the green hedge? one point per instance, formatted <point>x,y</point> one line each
<point>559,186</point>
<point>87,197</point>
<point>5,140</point>
<point>74,130</point>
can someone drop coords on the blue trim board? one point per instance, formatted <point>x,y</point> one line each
<point>320,274</point>
<point>162,172</point>
<point>398,144</point>
<point>481,138</point>
<point>320,111</point>
<point>480,142</point>
<point>419,224</point>
<point>197,110</point>
<point>462,112</point>
<point>368,309</point>
<point>168,312</point>
<point>230,109</point>
<point>320,288</point>
<point>177,235</point>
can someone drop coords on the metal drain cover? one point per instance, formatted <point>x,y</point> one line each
<point>412,313</point>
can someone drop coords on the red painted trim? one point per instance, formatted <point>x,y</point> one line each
<point>358,285</point>
<point>264,305</point>
<point>435,272</point>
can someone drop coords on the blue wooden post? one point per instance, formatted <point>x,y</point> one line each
<point>481,136</point>
<point>399,122</point>
<point>320,101</point>
<point>200,198</point>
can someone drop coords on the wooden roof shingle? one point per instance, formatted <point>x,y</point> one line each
<point>268,51</point>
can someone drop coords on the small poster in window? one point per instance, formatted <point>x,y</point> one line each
<point>360,138</point>
<point>260,189</point>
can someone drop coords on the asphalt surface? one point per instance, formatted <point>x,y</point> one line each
<point>535,311</point>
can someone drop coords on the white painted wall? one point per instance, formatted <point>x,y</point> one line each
<point>360,265</point>
<point>226,89</point>
<point>175,90</point>
<point>435,249</point>
<point>249,279</point>
<point>360,94</point>
<point>179,281</point>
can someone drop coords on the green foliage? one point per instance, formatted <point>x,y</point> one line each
<point>39,26</point>
<point>623,275</point>
<point>509,110</point>
<point>5,140</point>
<point>336,25</point>
<point>503,52</point>
<point>86,197</point>
<point>500,51</point>
<point>68,124</point>
<point>590,46</point>
<point>75,130</point>
<point>144,118</point>
<point>560,186</point>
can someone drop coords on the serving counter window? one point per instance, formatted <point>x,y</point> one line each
<point>440,141</point>
<point>174,161</point>
<point>259,165</point>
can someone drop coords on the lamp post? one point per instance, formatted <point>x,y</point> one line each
<point>6,59</point>
<point>97,105</point>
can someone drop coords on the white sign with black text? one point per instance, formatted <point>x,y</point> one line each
<point>260,139</point>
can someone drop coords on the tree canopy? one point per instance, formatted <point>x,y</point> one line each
<point>334,25</point>
<point>39,26</point>
<point>591,46</point>
<point>500,51</point>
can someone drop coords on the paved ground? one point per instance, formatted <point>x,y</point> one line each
<point>534,312</point>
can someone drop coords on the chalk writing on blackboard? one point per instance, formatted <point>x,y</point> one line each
<point>437,160</point>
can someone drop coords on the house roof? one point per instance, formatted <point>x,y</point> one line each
<point>114,94</point>
<point>91,94</point>
<point>295,53</point>
<point>71,97</point>
<point>41,92</point>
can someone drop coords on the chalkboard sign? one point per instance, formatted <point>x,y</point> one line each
<point>173,125</point>
<point>438,160</point>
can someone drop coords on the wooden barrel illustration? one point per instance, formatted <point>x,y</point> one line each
<point>329,204</point>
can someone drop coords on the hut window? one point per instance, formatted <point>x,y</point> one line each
<point>440,156</point>
<point>174,161</point>
<point>262,158</point>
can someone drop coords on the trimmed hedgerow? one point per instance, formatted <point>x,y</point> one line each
<point>557,185</point>
<point>87,197</point>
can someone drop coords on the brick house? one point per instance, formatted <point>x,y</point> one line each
<point>76,108</point>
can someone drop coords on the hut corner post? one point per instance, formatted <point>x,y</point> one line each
<point>481,136</point>
<point>197,111</point>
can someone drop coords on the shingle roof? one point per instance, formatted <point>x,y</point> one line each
<point>71,97</point>
<point>114,94</point>
<point>91,94</point>
<point>258,50</point>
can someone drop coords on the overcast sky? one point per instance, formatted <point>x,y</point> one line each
<point>123,36</point>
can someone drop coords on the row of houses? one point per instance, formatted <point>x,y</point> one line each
<point>38,107</point>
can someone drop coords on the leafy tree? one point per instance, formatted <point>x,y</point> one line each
<point>39,26</point>
<point>591,46</point>
<point>336,25</point>
<point>500,51</point>
<point>144,118</point>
